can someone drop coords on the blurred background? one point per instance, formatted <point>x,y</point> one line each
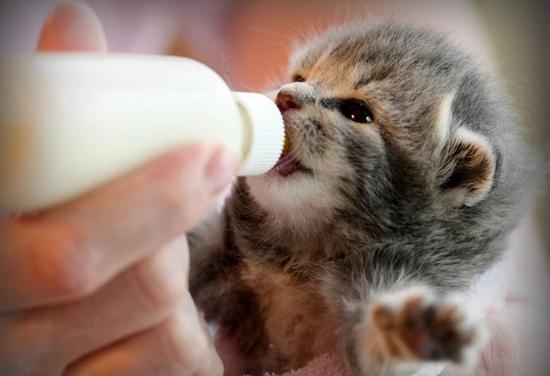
<point>248,42</point>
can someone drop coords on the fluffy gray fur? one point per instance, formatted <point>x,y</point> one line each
<point>426,194</point>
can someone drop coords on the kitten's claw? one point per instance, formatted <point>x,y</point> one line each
<point>417,325</point>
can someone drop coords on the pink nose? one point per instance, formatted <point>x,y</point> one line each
<point>286,101</point>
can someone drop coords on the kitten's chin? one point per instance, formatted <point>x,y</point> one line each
<point>296,199</point>
<point>284,190</point>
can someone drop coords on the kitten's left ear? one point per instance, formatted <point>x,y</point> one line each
<point>468,161</point>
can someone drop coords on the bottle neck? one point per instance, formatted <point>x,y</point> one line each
<point>263,133</point>
<point>246,123</point>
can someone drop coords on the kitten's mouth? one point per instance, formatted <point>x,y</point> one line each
<point>288,164</point>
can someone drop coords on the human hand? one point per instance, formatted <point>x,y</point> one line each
<point>99,285</point>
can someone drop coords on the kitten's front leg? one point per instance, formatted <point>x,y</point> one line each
<point>398,331</point>
<point>222,296</point>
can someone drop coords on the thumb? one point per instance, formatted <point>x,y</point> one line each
<point>72,26</point>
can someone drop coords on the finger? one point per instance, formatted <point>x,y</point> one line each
<point>72,26</point>
<point>70,251</point>
<point>179,346</point>
<point>137,299</point>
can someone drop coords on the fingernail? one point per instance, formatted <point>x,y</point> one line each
<point>72,26</point>
<point>220,170</point>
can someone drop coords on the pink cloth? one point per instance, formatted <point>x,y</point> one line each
<point>324,365</point>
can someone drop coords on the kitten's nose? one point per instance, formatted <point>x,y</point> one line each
<point>286,101</point>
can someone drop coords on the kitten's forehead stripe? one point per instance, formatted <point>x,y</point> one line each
<point>362,83</point>
<point>380,74</point>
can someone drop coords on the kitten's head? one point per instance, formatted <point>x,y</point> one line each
<point>386,120</point>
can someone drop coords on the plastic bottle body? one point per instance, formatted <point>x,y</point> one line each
<point>71,122</point>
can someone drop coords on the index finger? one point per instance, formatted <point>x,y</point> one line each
<point>70,251</point>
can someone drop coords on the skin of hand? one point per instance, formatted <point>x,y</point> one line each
<point>98,286</point>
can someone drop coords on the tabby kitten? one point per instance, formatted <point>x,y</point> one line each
<point>401,185</point>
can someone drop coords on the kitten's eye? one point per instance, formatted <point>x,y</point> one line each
<point>357,111</point>
<point>298,78</point>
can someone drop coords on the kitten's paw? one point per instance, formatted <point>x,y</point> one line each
<point>417,325</point>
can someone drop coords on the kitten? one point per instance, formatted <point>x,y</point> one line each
<point>400,186</point>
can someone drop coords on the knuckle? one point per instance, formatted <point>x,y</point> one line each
<point>183,205</point>
<point>65,262</point>
<point>185,347</point>
<point>160,282</point>
<point>182,198</point>
<point>173,208</point>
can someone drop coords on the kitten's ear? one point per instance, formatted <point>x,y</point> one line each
<point>467,168</point>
